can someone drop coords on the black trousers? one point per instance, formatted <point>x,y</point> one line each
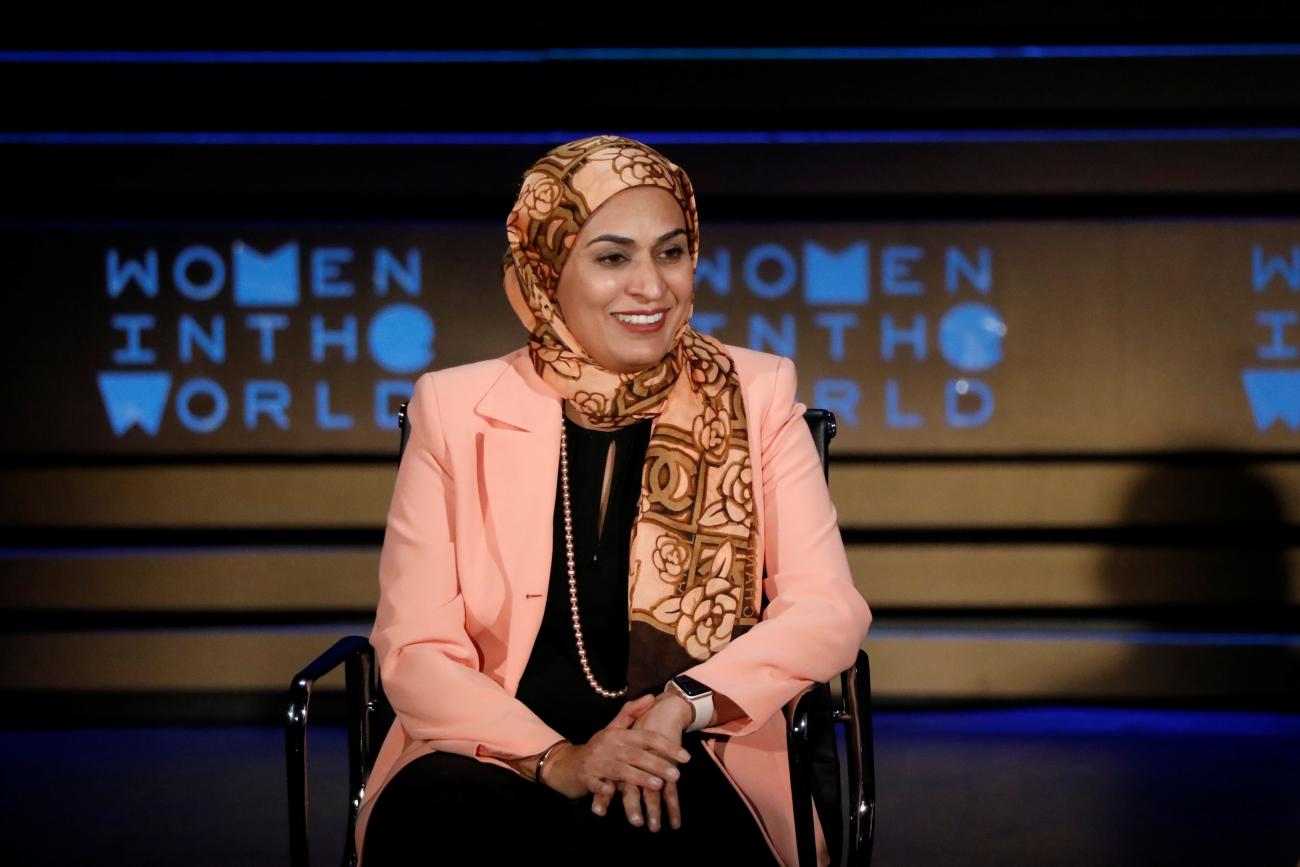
<point>496,816</point>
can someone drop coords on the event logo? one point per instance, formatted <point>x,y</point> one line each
<point>837,289</point>
<point>208,313</point>
<point>1274,392</point>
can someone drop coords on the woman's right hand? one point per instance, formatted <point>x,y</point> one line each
<point>616,753</point>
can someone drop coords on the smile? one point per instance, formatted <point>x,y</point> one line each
<point>640,318</point>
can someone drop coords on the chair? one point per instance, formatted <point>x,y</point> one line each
<point>829,736</point>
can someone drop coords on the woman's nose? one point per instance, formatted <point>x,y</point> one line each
<point>647,282</point>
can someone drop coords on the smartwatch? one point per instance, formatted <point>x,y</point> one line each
<point>700,697</point>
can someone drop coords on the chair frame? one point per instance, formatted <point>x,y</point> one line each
<point>842,782</point>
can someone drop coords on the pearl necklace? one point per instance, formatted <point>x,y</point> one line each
<point>573,579</point>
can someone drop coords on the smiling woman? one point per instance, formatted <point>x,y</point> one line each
<point>572,578</point>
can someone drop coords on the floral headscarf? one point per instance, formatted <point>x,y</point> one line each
<point>691,582</point>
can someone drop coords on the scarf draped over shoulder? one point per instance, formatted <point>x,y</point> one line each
<point>691,582</point>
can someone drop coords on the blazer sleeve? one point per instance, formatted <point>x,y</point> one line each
<point>814,619</point>
<point>430,667</point>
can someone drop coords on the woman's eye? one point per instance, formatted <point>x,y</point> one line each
<point>673,254</point>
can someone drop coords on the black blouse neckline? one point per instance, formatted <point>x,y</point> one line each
<point>625,432</point>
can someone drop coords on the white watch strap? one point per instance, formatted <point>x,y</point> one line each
<point>703,712</point>
<point>703,706</point>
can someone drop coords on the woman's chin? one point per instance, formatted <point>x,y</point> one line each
<point>634,362</point>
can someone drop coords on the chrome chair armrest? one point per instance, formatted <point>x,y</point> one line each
<point>357,657</point>
<point>841,779</point>
<point>802,736</point>
<point>856,714</point>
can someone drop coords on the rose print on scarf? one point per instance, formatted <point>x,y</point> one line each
<point>591,404</point>
<point>737,501</point>
<point>670,559</point>
<point>554,359</point>
<point>712,430</point>
<point>704,617</point>
<point>707,368</point>
<point>541,197</point>
<point>634,167</point>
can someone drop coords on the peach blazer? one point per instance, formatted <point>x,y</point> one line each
<point>466,564</point>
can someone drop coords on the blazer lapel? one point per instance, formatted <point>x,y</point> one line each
<point>520,460</point>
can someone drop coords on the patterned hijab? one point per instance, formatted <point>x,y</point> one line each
<point>691,582</point>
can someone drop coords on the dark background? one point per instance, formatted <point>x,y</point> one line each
<point>1079,658</point>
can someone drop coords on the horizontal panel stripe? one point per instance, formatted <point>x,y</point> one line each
<point>903,495</point>
<point>1200,623</point>
<point>975,668</point>
<point>216,496</point>
<point>1092,720</point>
<point>70,540</point>
<point>651,53</point>
<point>75,541</point>
<point>1186,535</point>
<point>32,622</point>
<point>979,205</point>
<point>1217,639</point>
<point>866,496</point>
<point>983,575</point>
<point>161,660</point>
<point>902,666</point>
<point>225,138</point>
<point>211,581</point>
<point>70,460</point>
<point>958,577</point>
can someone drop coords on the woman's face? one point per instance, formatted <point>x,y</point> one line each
<point>630,257</point>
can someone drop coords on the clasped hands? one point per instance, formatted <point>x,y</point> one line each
<point>635,754</point>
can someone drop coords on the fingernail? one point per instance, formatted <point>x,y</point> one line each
<point>636,819</point>
<point>654,826</point>
<point>676,824</point>
<point>656,782</point>
<point>673,773</point>
<point>683,755</point>
<point>597,810</point>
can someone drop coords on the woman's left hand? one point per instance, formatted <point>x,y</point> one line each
<point>670,715</point>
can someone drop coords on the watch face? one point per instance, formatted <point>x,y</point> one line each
<point>692,687</point>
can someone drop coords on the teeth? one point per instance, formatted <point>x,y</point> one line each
<point>641,319</point>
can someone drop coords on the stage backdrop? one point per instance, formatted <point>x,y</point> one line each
<point>995,338</point>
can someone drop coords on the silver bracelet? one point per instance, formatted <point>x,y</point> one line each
<point>537,777</point>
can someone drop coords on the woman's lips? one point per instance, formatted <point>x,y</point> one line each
<point>639,328</point>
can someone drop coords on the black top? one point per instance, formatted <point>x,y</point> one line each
<point>553,684</point>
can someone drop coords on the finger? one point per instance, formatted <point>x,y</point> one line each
<point>632,803</point>
<point>630,711</point>
<point>651,798</point>
<point>624,717</point>
<point>640,706</point>
<point>658,770</point>
<point>603,795</point>
<point>673,804</point>
<point>624,762</point>
<point>661,744</point>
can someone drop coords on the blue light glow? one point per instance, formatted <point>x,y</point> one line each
<point>1109,636</point>
<point>1074,721</point>
<point>654,137</point>
<point>543,55</point>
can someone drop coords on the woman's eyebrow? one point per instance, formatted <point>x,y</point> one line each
<point>621,240</point>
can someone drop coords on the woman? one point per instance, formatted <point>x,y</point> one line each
<point>573,628</point>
